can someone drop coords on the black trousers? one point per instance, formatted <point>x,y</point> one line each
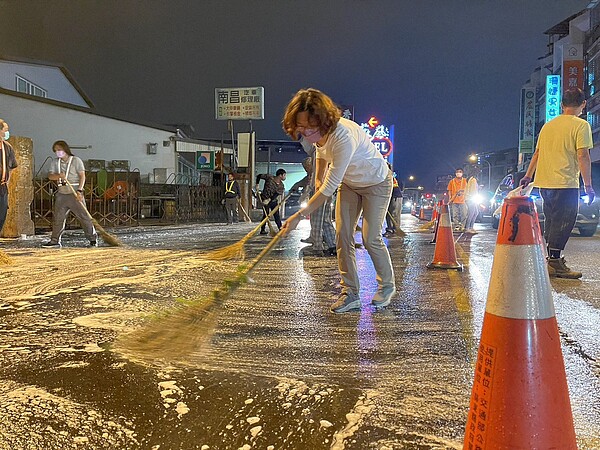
<point>560,208</point>
<point>3,206</point>
<point>268,208</point>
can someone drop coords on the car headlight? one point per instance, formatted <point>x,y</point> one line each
<point>478,198</point>
<point>303,204</point>
<point>408,204</point>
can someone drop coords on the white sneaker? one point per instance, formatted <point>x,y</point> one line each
<point>383,296</point>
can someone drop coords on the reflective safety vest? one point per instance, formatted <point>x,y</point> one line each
<point>229,187</point>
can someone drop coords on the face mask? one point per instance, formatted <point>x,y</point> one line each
<point>312,135</point>
<point>60,153</point>
<point>7,135</point>
<point>459,175</point>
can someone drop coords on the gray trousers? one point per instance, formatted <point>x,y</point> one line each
<point>372,202</point>
<point>458,214</point>
<point>231,209</point>
<point>63,203</point>
<point>321,226</point>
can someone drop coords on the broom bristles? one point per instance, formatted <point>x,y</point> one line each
<point>106,236</point>
<point>180,332</point>
<point>236,250</point>
<point>5,260</point>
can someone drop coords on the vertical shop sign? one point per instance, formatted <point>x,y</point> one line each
<point>572,65</point>
<point>527,122</point>
<point>553,97</point>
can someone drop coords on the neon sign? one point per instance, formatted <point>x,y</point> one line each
<point>552,97</point>
<point>382,137</point>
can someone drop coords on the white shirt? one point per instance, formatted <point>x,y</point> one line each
<point>352,158</point>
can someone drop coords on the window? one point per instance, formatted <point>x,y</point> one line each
<point>28,87</point>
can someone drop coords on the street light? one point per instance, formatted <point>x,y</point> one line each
<point>476,158</point>
<point>411,178</point>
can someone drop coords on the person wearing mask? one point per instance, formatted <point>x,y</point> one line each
<point>67,169</point>
<point>456,192</point>
<point>271,194</point>
<point>364,185</point>
<point>472,200</point>
<point>8,162</point>
<point>232,194</point>
<point>561,155</point>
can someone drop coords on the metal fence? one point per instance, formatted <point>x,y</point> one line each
<point>118,199</point>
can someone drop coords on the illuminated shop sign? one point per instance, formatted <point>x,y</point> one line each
<point>382,137</point>
<point>552,97</point>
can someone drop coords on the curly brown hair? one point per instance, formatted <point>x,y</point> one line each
<point>320,108</point>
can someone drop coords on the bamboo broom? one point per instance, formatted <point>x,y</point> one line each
<point>106,236</point>
<point>5,260</point>
<point>271,230</point>
<point>237,250</point>
<point>399,230</point>
<point>178,333</point>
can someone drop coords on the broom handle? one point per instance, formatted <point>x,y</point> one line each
<point>245,213</point>
<point>393,220</point>
<point>273,211</point>
<point>75,194</point>
<point>264,252</point>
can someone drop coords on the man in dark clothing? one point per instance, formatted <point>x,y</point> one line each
<point>394,209</point>
<point>232,194</point>
<point>7,163</point>
<point>273,189</point>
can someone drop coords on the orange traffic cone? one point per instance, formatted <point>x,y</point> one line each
<point>421,213</point>
<point>519,397</point>
<point>436,210</point>
<point>444,256</point>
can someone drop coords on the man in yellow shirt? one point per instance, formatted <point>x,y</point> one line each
<point>562,153</point>
<point>458,208</point>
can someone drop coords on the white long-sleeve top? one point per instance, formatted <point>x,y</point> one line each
<point>352,158</point>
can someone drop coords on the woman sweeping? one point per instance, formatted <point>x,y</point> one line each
<point>364,183</point>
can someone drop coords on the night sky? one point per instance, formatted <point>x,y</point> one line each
<point>446,73</point>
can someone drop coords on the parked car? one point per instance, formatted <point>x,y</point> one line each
<point>407,204</point>
<point>426,202</point>
<point>587,217</point>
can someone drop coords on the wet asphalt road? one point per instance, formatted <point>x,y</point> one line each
<point>275,370</point>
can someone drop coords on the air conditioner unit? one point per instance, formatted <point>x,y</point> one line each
<point>152,148</point>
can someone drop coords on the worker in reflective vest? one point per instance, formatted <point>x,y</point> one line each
<point>232,194</point>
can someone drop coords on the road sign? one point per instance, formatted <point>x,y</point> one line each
<point>240,103</point>
<point>205,160</point>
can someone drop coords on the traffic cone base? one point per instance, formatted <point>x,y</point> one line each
<point>520,397</point>
<point>512,404</point>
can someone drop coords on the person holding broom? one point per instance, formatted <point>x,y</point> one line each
<point>364,183</point>
<point>69,173</point>
<point>273,190</point>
